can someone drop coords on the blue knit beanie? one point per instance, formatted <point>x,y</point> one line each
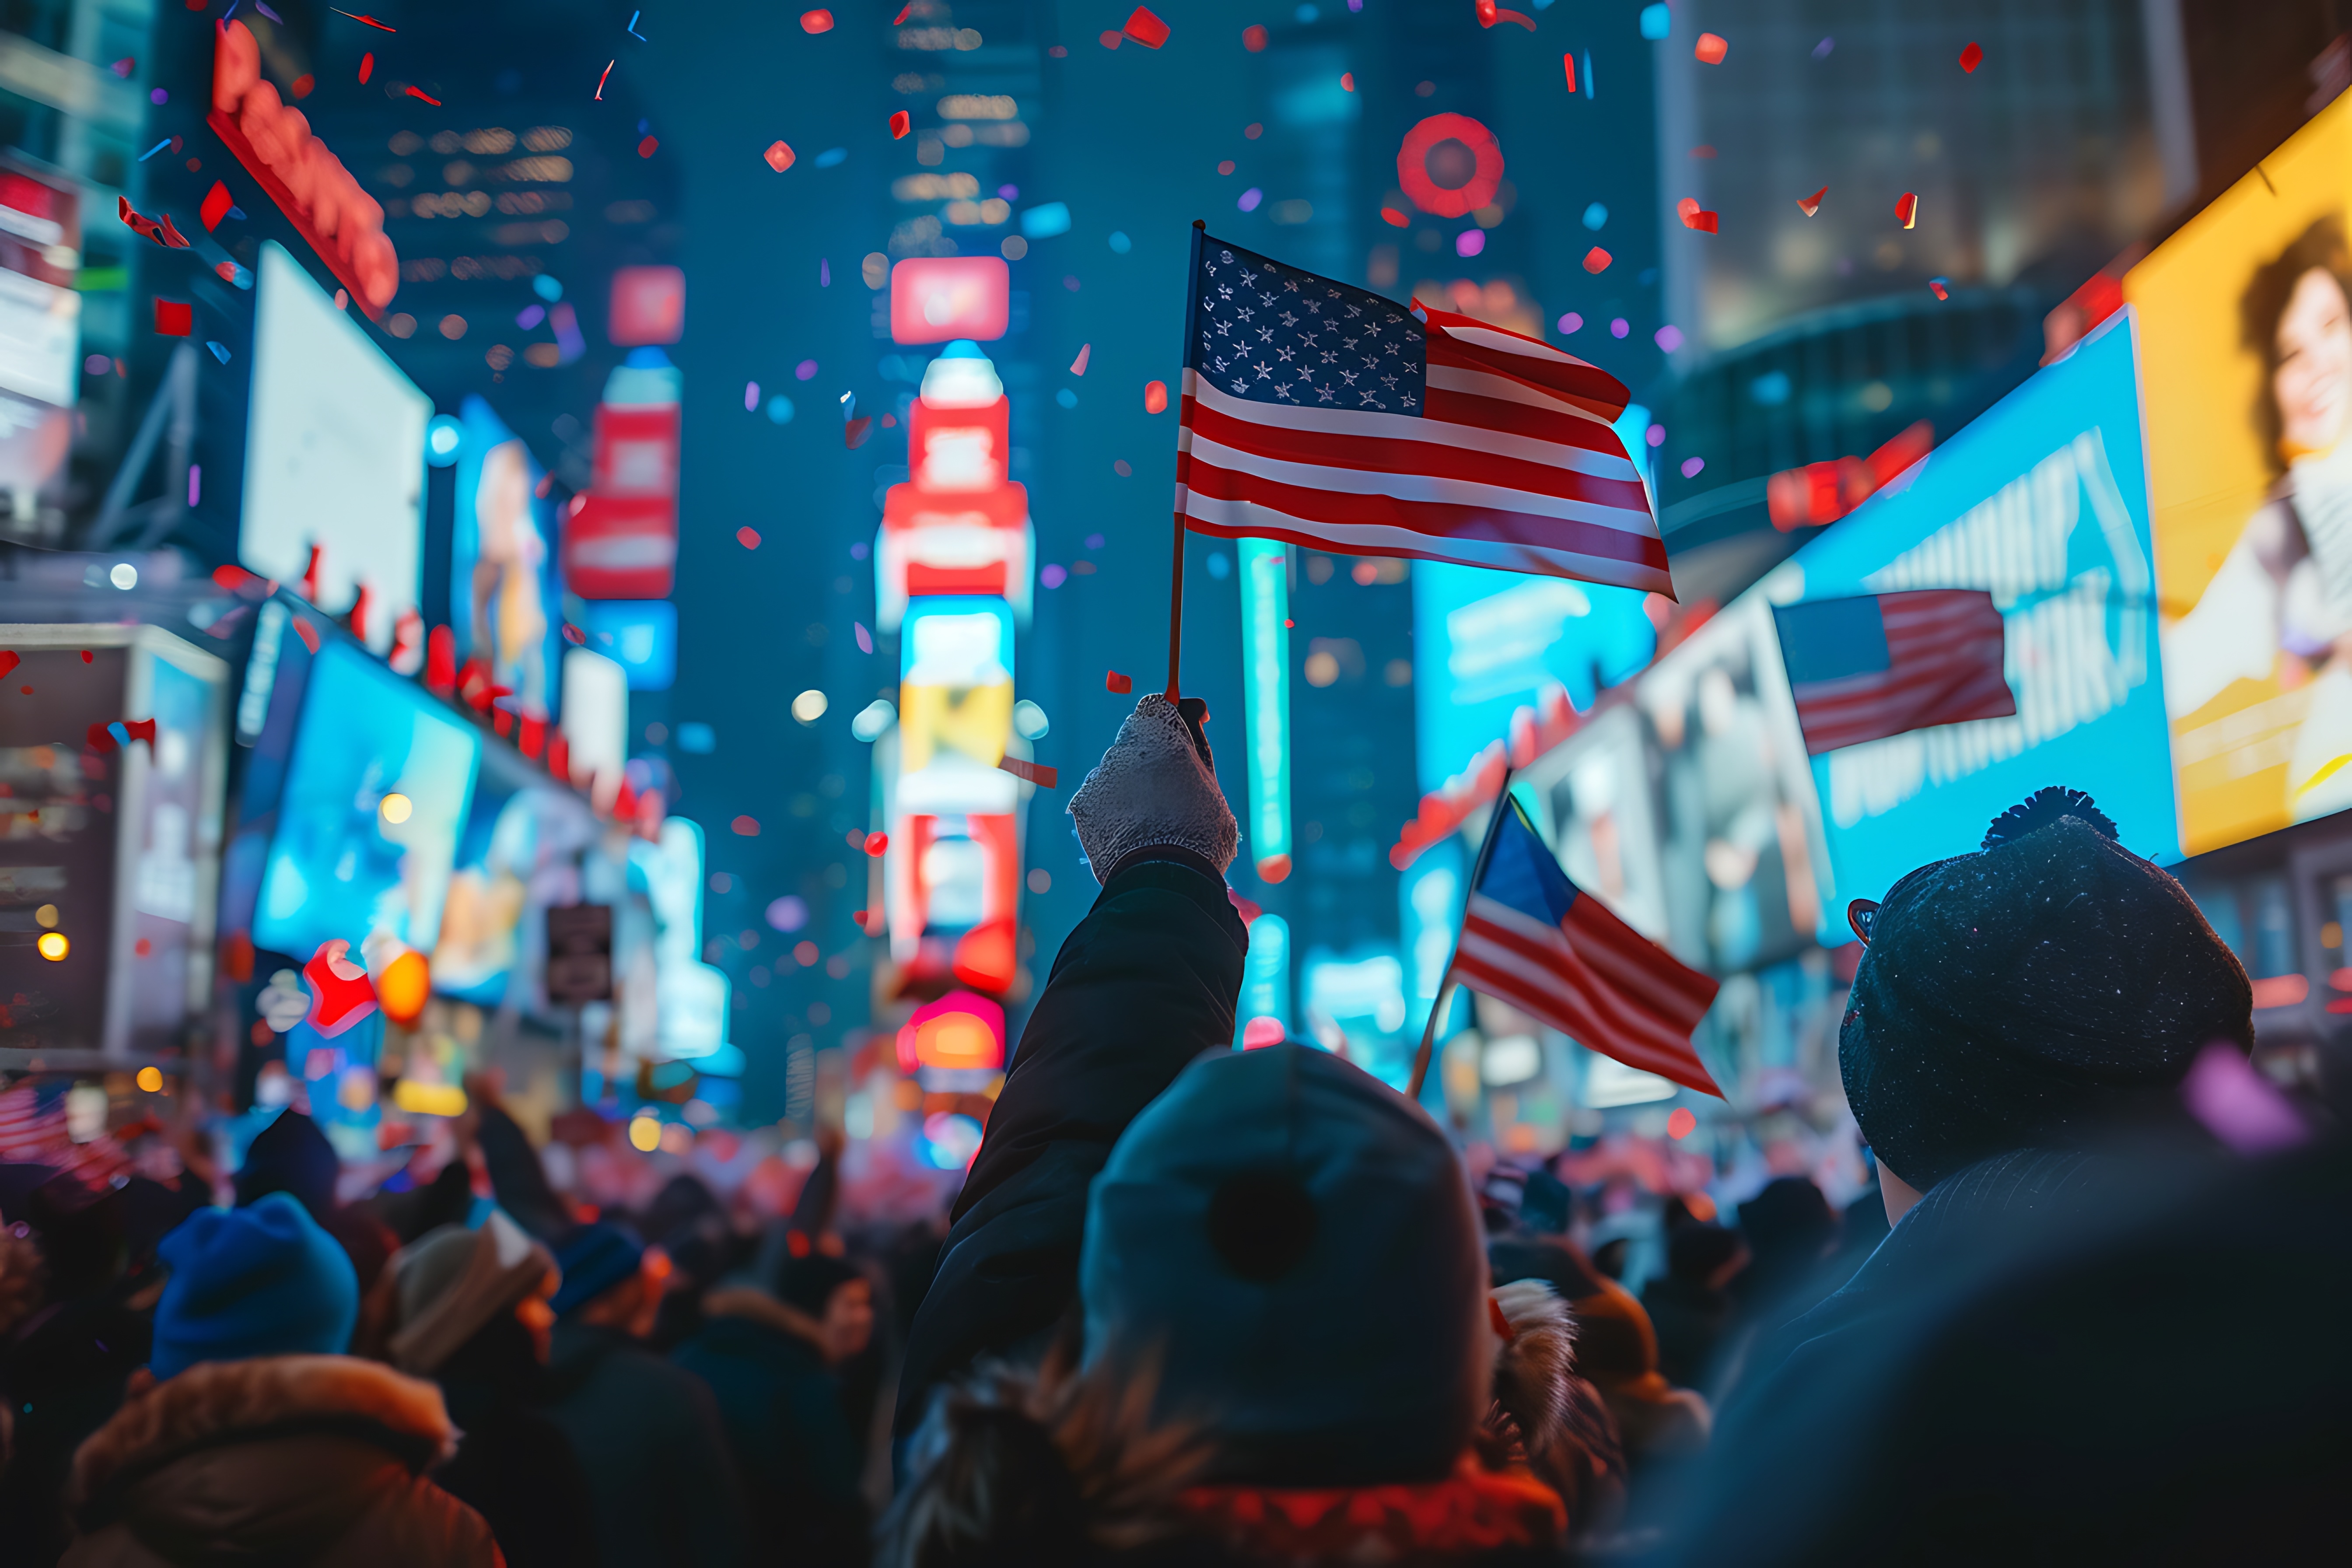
<point>1295,1245</point>
<point>256,1281</point>
<point>593,1258</point>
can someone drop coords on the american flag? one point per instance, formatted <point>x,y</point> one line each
<point>33,1132</point>
<point>1864,668</point>
<point>1535,940</point>
<point>1322,415</point>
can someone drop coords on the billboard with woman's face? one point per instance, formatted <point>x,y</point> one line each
<point>2245,321</point>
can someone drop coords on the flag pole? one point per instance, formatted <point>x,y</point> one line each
<point>1183,465</point>
<point>1445,984</point>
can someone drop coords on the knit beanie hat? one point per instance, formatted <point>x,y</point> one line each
<point>594,1258</point>
<point>291,1155</point>
<point>1292,1247</point>
<point>809,1282</point>
<point>256,1281</point>
<point>452,1280</point>
<point>2024,995</point>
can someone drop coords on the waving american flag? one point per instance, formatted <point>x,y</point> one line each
<point>1319,414</point>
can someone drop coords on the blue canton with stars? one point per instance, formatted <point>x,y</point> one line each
<point>1270,333</point>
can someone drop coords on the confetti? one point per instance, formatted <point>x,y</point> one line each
<point>1811,204</point>
<point>1489,13</point>
<point>1821,50</point>
<point>174,317</point>
<point>632,28</point>
<point>1941,287</point>
<point>865,637</point>
<point>1694,216</point>
<point>1681,1124</point>
<point>1155,397</point>
<point>1118,683</point>
<point>1907,210</point>
<point>307,632</point>
<point>367,65</point>
<point>1395,218</point>
<point>217,206</point>
<point>1569,59</point>
<point>220,353</point>
<point>1145,28</point>
<point>161,233</point>
<point>747,537</point>
<point>9,661</point>
<point>1109,40</point>
<point>1711,48</point>
<point>779,157</point>
<point>603,80</point>
<point>900,123</point>
<point>1346,81</point>
<point>746,826</point>
<point>155,149</point>
<point>854,433</point>
<point>123,68</point>
<point>1042,778</point>
<point>103,738</point>
<point>1596,261</point>
<point>88,657</point>
<point>419,92</point>
<point>904,12</point>
<point>370,21</point>
<point>1078,365</point>
<point>877,845</point>
<point>266,11</point>
<point>1971,58</point>
<point>816,21</point>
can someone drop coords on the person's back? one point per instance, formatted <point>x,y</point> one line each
<point>249,1437</point>
<point>647,1433</point>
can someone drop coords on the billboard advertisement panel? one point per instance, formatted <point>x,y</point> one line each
<point>2042,502</point>
<point>507,596</point>
<point>2245,325</point>
<point>334,453</point>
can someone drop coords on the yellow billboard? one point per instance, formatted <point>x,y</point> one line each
<point>2245,338</point>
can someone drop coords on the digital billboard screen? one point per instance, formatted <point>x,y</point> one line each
<point>2043,504</point>
<point>2245,326</point>
<point>507,596</point>
<point>334,453</point>
<point>517,854</point>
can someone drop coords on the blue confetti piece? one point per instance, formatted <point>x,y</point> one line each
<point>237,212</point>
<point>1821,50</point>
<point>830,157</point>
<point>633,27</point>
<point>155,149</point>
<point>269,12</point>
<point>220,351</point>
<point>230,12</point>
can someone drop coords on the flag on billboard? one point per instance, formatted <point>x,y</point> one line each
<point>1322,415</point>
<point>1535,940</point>
<point>1864,668</point>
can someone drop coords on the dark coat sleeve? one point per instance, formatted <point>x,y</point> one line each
<point>1145,983</point>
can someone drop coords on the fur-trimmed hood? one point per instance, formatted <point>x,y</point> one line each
<point>274,1455</point>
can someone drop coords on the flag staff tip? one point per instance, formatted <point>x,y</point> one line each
<point>1201,224</point>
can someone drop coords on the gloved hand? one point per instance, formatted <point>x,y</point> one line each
<point>1157,784</point>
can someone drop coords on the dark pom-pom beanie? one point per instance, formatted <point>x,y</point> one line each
<point>2029,993</point>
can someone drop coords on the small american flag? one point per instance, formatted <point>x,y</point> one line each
<point>1535,940</point>
<point>33,1132</point>
<point>1864,668</point>
<point>1325,415</point>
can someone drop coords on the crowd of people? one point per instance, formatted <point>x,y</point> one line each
<point>1194,1305</point>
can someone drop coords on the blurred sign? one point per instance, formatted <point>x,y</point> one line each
<point>595,720</point>
<point>2245,335</point>
<point>1262,1016</point>
<point>502,562</point>
<point>2042,502</point>
<point>638,635</point>
<point>936,299</point>
<point>649,306</point>
<point>1266,701</point>
<point>621,540</point>
<point>40,313</point>
<point>578,954</point>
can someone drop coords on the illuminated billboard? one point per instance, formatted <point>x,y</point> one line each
<point>334,453</point>
<point>2245,335</point>
<point>958,526</point>
<point>936,298</point>
<point>1266,701</point>
<point>507,596</point>
<point>2043,504</point>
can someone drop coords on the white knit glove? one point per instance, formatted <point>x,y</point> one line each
<point>1153,787</point>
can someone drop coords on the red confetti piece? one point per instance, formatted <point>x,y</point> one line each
<point>303,85</point>
<point>1596,261</point>
<point>645,147</point>
<point>1568,60</point>
<point>1037,774</point>
<point>746,826</point>
<point>367,65</point>
<point>603,80</point>
<point>1078,365</point>
<point>88,657</point>
<point>9,661</point>
<point>174,317</point>
<point>217,202</point>
<point>307,632</point>
<point>1681,1124</point>
<point>904,12</point>
<point>1110,41</point>
<point>779,157</point>
<point>355,16</point>
<point>1145,28</point>
<point>1711,48</point>
<point>1395,218</point>
<point>340,994</point>
<point>1253,39</point>
<point>900,123</point>
<point>1971,58</point>
<point>1155,397</point>
<point>1907,210</point>
<point>747,537</point>
<point>1811,204</point>
<point>1703,221</point>
<point>1346,81</point>
<point>1115,682</point>
<point>854,433</point>
<point>877,845</point>
<point>1941,287</point>
<point>98,738</point>
<point>817,21</point>
<point>414,92</point>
